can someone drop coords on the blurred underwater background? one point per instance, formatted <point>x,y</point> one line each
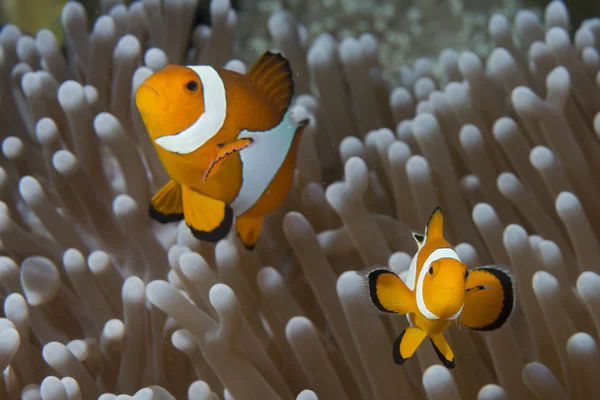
<point>490,109</point>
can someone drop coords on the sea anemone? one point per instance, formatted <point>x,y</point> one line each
<point>99,301</point>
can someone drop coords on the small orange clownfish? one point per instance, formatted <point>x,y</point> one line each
<point>439,290</point>
<point>228,142</point>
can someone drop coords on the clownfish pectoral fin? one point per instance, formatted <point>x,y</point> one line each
<point>167,204</point>
<point>225,149</point>
<point>407,343</point>
<point>435,224</point>
<point>388,292</point>
<point>248,230</point>
<point>209,219</point>
<point>443,350</point>
<point>273,76</point>
<point>490,298</point>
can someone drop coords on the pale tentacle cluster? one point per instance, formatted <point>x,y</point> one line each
<point>99,301</point>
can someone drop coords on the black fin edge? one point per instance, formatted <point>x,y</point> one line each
<point>372,277</point>
<point>398,359</point>
<point>447,363</point>
<point>508,303</point>
<point>163,218</point>
<point>219,232</point>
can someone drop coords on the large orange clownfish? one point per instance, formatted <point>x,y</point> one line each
<point>228,142</point>
<point>439,290</point>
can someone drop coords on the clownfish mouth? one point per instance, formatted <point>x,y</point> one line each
<point>146,97</point>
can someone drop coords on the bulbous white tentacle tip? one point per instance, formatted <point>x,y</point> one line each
<point>545,285</point>
<point>31,191</point>
<point>298,326</point>
<point>268,279</point>
<point>350,51</point>
<point>114,329</point>
<point>524,99</point>
<point>107,126</point>
<point>46,131</point>
<point>469,64</point>
<point>504,128</point>
<point>52,388</point>
<point>12,147</point>
<point>597,117</point>
<point>582,345</point>
<point>222,297</point>
<point>491,392</point>
<point>31,84</point>
<point>71,95</point>
<point>437,376</point>
<point>307,395</point>
<point>356,174</point>
<point>236,66</point>
<point>133,289</point>
<point>559,79</point>
<point>567,205</point>
<point>457,94</point>
<point>515,236</point>
<point>509,184</point>
<point>556,14</point>
<point>40,280</point>
<point>72,258</point>
<point>140,75</point>
<point>128,46</point>
<point>557,38</point>
<point>498,25</point>
<point>542,158</point>
<point>104,28</point>
<point>199,390</point>
<point>72,10</point>
<point>588,285</point>
<point>124,206</point>
<point>155,59</point>
<point>219,8</point>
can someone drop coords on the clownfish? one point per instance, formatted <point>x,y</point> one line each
<point>439,290</point>
<point>228,141</point>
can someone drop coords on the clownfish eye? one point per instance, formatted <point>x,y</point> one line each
<point>430,270</point>
<point>191,86</point>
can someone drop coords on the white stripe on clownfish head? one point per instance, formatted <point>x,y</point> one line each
<point>211,120</point>
<point>437,254</point>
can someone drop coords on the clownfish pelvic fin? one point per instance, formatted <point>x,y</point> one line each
<point>442,349</point>
<point>407,343</point>
<point>167,204</point>
<point>208,219</point>
<point>248,229</point>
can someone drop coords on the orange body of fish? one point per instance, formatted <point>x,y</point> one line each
<point>439,290</point>
<point>228,142</point>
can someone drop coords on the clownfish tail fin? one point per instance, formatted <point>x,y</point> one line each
<point>272,74</point>
<point>443,350</point>
<point>388,292</point>
<point>407,343</point>
<point>208,219</point>
<point>248,230</point>
<point>167,205</point>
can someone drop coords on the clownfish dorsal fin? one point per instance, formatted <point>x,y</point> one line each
<point>435,225</point>
<point>419,238</point>
<point>273,76</point>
